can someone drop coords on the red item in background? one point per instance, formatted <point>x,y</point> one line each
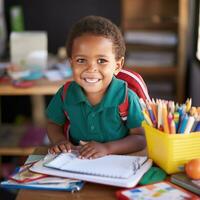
<point>23,84</point>
<point>34,136</point>
<point>4,79</point>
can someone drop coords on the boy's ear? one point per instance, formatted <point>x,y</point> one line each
<point>119,65</point>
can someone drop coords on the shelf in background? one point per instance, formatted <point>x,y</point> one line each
<point>144,47</point>
<point>20,140</point>
<point>16,151</point>
<point>155,72</point>
<point>142,19</point>
<point>149,25</point>
<point>150,15</point>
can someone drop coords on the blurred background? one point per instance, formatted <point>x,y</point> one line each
<point>162,40</point>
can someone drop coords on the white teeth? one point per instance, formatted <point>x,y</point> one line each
<point>91,80</point>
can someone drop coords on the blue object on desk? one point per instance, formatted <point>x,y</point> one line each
<point>71,187</point>
<point>65,69</point>
<point>34,75</point>
<point>40,184</point>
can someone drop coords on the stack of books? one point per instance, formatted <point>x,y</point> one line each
<point>23,178</point>
<point>66,171</point>
<point>184,181</point>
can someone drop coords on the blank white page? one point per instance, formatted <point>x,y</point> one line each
<point>114,166</point>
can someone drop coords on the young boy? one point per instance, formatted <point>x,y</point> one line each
<point>96,52</point>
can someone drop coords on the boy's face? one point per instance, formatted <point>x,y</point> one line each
<point>93,63</point>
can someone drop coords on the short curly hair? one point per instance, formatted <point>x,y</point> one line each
<point>99,26</point>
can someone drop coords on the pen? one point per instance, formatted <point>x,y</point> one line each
<point>152,117</point>
<point>154,109</point>
<point>147,118</point>
<point>160,123</point>
<point>189,125</point>
<point>188,104</point>
<point>171,106</point>
<point>176,120</point>
<point>183,106</point>
<point>181,111</point>
<point>172,127</point>
<point>197,127</point>
<point>176,107</point>
<point>165,119</point>
<point>195,124</point>
<point>153,101</point>
<point>183,123</point>
<point>193,111</point>
<point>170,119</point>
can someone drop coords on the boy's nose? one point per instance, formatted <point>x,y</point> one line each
<point>92,67</point>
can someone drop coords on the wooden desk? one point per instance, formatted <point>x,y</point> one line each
<point>40,87</point>
<point>89,191</point>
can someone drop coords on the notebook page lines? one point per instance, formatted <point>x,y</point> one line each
<point>114,166</point>
<point>106,166</point>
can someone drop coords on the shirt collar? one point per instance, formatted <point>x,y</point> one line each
<point>75,94</point>
<point>114,95</point>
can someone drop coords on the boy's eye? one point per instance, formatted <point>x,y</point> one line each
<point>80,60</point>
<point>101,61</point>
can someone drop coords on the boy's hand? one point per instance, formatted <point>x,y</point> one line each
<point>92,150</point>
<point>63,146</point>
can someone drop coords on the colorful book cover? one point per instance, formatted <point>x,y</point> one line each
<point>23,178</point>
<point>24,175</point>
<point>157,191</point>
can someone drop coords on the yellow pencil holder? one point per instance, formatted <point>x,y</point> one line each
<point>171,151</point>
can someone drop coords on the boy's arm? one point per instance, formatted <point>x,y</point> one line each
<point>135,141</point>
<point>57,139</point>
<point>55,132</point>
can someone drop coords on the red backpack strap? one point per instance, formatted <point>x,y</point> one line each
<point>123,107</point>
<point>67,123</point>
<point>65,87</point>
<point>135,83</point>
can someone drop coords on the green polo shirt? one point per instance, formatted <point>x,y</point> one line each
<point>102,122</point>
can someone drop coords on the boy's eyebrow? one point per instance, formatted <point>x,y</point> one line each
<point>80,55</point>
<point>102,56</point>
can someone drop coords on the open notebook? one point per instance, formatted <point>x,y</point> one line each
<point>116,170</point>
<point>114,166</point>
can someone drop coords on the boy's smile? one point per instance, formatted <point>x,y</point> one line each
<point>94,64</point>
<point>91,77</point>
